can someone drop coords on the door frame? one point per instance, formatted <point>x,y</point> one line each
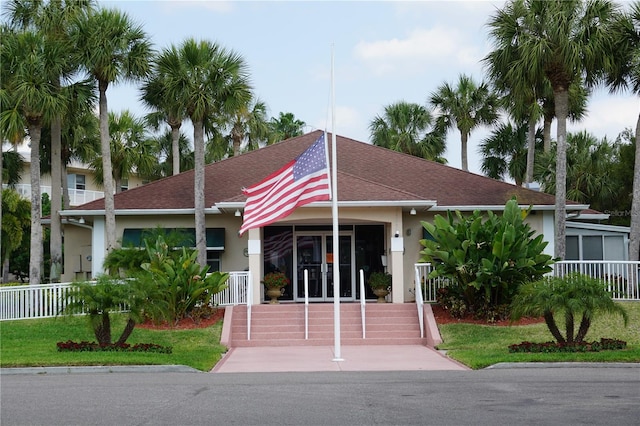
<point>324,267</point>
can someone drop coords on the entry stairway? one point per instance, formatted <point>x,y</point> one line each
<point>284,325</point>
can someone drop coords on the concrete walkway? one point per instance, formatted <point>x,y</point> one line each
<point>321,358</point>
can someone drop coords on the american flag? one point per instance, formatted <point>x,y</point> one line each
<point>301,181</point>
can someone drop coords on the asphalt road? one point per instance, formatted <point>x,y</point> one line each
<point>507,396</point>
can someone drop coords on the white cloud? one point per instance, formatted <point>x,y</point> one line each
<point>609,115</point>
<point>420,49</point>
<point>212,5</point>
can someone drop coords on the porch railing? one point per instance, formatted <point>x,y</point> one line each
<point>47,300</point>
<point>76,196</point>
<point>622,277</point>
<point>419,303</point>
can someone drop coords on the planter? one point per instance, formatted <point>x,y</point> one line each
<point>274,293</point>
<point>381,293</point>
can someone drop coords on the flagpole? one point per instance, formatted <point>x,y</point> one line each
<point>334,216</point>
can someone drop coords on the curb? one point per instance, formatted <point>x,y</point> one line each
<point>99,369</point>
<point>506,365</point>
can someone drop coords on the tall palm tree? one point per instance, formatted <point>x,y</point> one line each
<point>626,74</point>
<point>465,107</point>
<point>112,48</point>
<point>211,83</point>
<point>29,83</point>
<point>131,150</point>
<point>286,126</point>
<point>249,122</point>
<point>165,66</point>
<point>164,148</point>
<point>408,127</point>
<point>505,153</point>
<point>564,40</point>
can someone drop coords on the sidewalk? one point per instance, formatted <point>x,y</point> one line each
<point>321,358</point>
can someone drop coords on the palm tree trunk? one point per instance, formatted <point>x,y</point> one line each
<point>531,151</point>
<point>464,138</point>
<point>198,188</point>
<point>107,172</point>
<point>175,148</point>
<point>553,328</point>
<point>65,187</point>
<point>36,255</point>
<point>562,108</point>
<point>1,188</point>
<point>585,323</point>
<point>103,330</point>
<point>128,329</point>
<point>546,133</point>
<point>55,244</point>
<point>569,324</point>
<point>634,236</point>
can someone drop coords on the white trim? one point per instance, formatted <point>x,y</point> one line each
<point>599,227</point>
<point>570,207</point>
<point>98,252</point>
<point>426,204</point>
<point>138,212</point>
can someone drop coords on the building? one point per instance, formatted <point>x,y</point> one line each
<point>383,196</point>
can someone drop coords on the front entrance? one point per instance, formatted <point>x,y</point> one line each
<point>313,251</point>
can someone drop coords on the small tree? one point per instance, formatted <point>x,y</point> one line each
<point>569,296</point>
<point>485,256</point>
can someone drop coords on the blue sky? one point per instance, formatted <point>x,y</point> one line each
<point>384,52</point>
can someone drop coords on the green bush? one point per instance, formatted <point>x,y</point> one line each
<point>485,256</point>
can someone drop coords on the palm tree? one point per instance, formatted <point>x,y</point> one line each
<point>465,107</point>
<point>164,149</point>
<point>506,152</point>
<point>564,40</point>
<point>286,126</point>
<point>249,122</point>
<point>112,48</point>
<point>131,150</point>
<point>30,84</point>
<point>626,74</point>
<point>408,127</point>
<point>210,83</point>
<point>165,66</point>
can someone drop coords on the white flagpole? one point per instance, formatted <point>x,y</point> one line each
<point>334,215</point>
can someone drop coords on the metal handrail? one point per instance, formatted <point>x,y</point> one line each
<point>306,304</point>
<point>363,305</point>
<point>249,303</point>
<point>419,302</point>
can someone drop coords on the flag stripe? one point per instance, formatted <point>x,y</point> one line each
<point>300,182</point>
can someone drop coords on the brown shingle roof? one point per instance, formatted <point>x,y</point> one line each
<point>365,173</point>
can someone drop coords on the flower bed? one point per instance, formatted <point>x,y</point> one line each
<point>84,346</point>
<point>548,347</point>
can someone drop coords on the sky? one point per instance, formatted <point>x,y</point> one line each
<point>383,52</point>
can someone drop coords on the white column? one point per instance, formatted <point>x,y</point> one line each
<point>397,269</point>
<point>98,246</point>
<point>254,247</point>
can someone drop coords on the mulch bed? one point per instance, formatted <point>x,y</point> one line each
<point>443,317</point>
<point>186,323</point>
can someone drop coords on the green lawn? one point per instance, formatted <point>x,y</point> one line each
<point>479,346</point>
<point>30,343</point>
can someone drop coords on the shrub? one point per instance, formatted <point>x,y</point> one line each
<point>549,347</point>
<point>84,346</point>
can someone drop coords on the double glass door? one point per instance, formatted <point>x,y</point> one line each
<point>314,253</point>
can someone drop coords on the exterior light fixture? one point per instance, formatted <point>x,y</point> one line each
<point>413,212</point>
<point>238,214</point>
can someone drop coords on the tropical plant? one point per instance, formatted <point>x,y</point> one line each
<point>465,107</point>
<point>275,280</point>
<point>107,295</point>
<point>407,127</point>
<point>112,48</point>
<point>210,83</point>
<point>570,296</point>
<point>485,256</point>
<point>249,122</point>
<point>505,152</point>
<point>564,41</point>
<point>15,224</point>
<point>182,282</point>
<point>165,164</point>
<point>286,126</point>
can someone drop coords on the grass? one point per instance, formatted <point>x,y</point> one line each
<point>32,343</point>
<point>479,346</point>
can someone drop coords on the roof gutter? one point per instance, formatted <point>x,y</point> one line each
<point>424,205</point>
<point>139,212</point>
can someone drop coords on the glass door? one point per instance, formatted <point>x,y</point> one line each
<point>314,253</point>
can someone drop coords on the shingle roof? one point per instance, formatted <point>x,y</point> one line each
<point>365,173</point>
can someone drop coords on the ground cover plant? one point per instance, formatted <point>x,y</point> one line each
<point>479,346</point>
<point>31,343</point>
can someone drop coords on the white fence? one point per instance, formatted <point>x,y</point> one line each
<point>621,277</point>
<point>46,300</point>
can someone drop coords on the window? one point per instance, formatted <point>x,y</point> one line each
<point>124,184</point>
<point>75,181</point>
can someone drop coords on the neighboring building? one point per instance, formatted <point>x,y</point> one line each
<point>382,195</point>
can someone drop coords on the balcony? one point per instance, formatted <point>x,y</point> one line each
<point>76,196</point>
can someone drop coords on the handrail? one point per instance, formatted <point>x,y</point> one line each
<point>249,303</point>
<point>419,302</point>
<point>306,304</point>
<point>362,305</point>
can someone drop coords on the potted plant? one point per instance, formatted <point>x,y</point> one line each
<point>380,283</point>
<point>274,282</point>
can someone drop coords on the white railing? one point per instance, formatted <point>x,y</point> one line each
<point>419,303</point>
<point>426,286</point>
<point>47,300</point>
<point>306,304</point>
<point>363,304</point>
<point>622,277</point>
<point>76,196</point>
